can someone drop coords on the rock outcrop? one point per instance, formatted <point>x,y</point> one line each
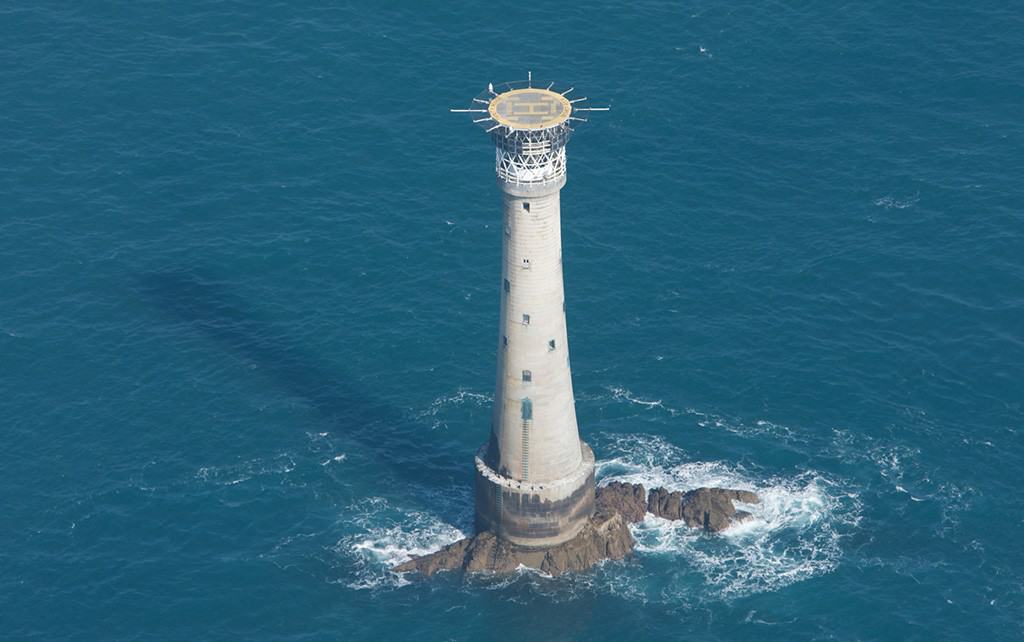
<point>628,499</point>
<point>708,508</point>
<point>605,536</point>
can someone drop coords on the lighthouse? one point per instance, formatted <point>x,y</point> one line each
<point>534,476</point>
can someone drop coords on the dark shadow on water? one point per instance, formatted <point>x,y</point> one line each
<point>393,440</point>
<point>396,442</point>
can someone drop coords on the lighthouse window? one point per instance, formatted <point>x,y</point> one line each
<point>526,264</point>
<point>526,319</point>
<point>527,376</point>
<point>504,341</point>
<point>508,286</point>
<point>527,409</point>
<point>526,206</point>
<point>551,345</point>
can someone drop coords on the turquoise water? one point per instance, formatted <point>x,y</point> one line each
<point>249,274</point>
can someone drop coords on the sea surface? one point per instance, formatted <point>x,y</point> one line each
<point>249,286</point>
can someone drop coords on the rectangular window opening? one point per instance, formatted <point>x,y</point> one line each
<point>527,409</point>
<point>551,345</point>
<point>526,264</point>
<point>526,319</point>
<point>504,341</point>
<point>526,206</point>
<point>508,286</point>
<point>527,376</point>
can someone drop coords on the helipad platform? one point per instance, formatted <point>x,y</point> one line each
<point>530,109</point>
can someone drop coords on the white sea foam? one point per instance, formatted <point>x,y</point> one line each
<point>231,474</point>
<point>540,583</point>
<point>624,395</point>
<point>704,419</point>
<point>387,537</point>
<point>891,202</point>
<point>435,412</point>
<point>738,427</point>
<point>796,531</point>
<point>901,468</point>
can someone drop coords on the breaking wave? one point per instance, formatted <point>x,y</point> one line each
<point>386,537</point>
<point>796,533</point>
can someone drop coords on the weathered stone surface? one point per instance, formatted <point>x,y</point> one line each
<point>488,552</point>
<point>534,516</point>
<point>448,558</point>
<point>709,508</point>
<point>605,536</point>
<point>628,499</point>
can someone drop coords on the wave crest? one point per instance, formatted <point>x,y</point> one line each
<point>795,534</point>
<point>388,537</point>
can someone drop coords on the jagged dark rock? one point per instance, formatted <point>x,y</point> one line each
<point>709,508</point>
<point>448,558</point>
<point>605,536</point>
<point>628,499</point>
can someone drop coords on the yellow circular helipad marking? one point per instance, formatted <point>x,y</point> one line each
<point>530,109</point>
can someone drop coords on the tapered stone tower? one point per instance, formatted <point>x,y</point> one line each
<point>534,477</point>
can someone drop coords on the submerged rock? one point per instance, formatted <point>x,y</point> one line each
<point>709,508</point>
<point>605,536</point>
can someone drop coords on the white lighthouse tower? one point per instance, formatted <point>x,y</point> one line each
<point>534,476</point>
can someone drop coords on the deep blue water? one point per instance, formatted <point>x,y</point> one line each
<point>249,270</point>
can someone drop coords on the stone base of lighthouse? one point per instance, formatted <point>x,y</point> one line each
<point>534,514</point>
